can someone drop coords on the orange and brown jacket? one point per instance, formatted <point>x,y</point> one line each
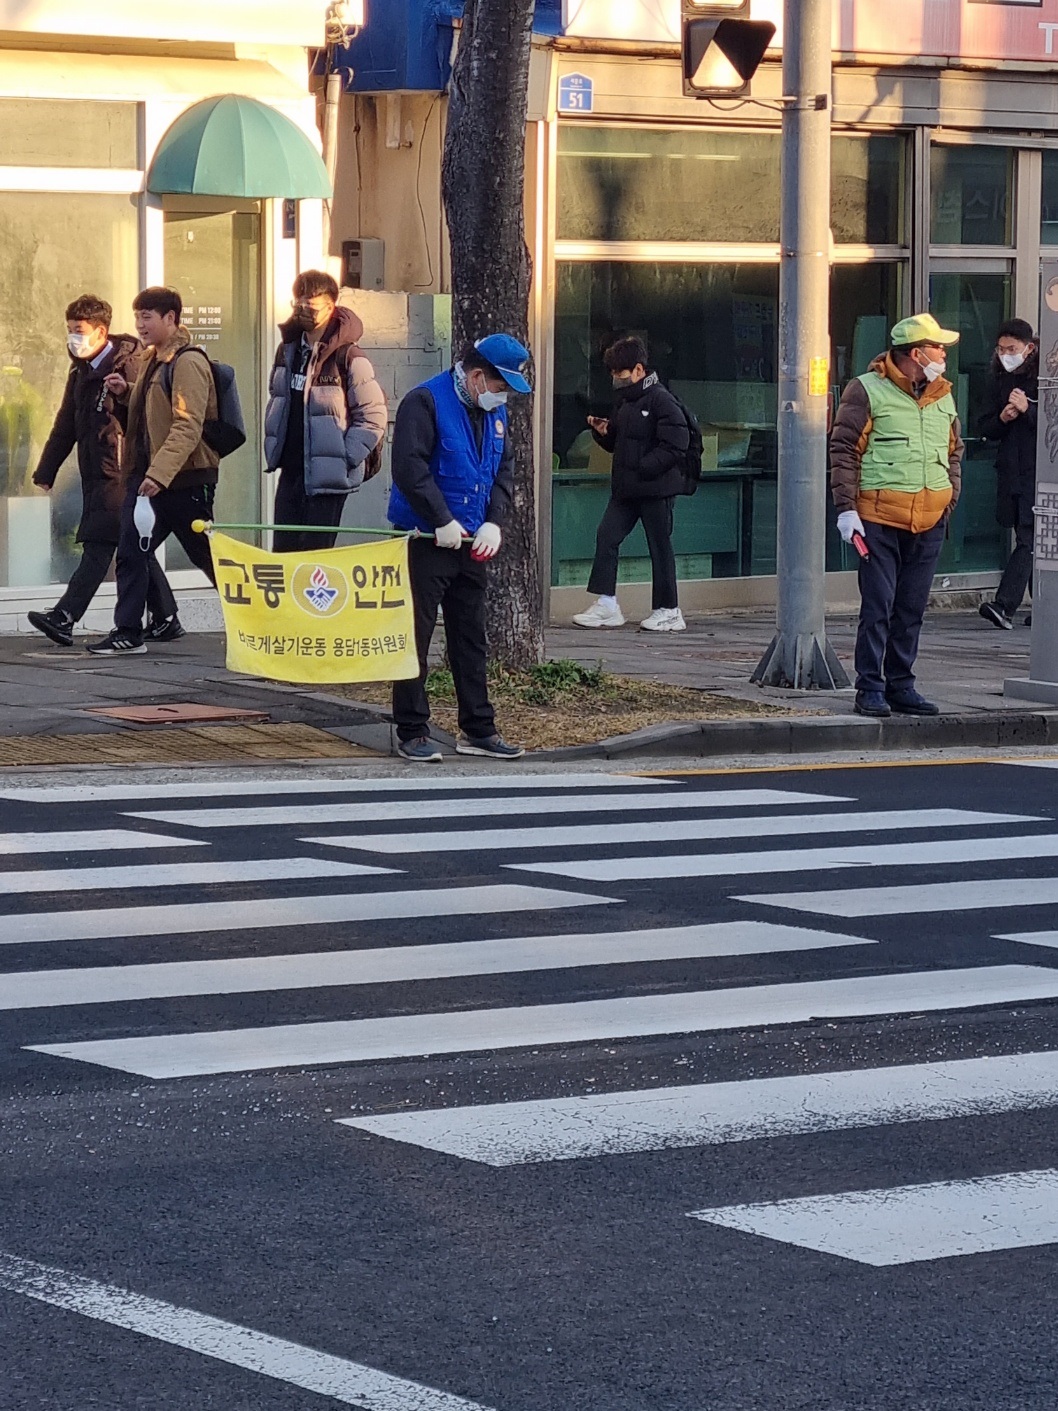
<point>896,457</point>
<point>171,427</point>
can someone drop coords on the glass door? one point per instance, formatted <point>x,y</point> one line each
<point>214,259</point>
<point>973,299</point>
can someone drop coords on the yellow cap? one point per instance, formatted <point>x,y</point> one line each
<point>921,328</point>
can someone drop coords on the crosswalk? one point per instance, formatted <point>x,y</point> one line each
<point>626,909</point>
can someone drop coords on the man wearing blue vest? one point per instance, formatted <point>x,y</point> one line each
<point>453,478</point>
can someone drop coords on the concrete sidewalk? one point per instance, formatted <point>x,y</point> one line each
<point>963,662</point>
<point>47,694</point>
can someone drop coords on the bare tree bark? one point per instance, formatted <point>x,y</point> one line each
<point>483,184</point>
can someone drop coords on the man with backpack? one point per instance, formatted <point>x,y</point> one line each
<point>326,415</point>
<point>649,436</point>
<point>166,458</point>
<point>89,421</point>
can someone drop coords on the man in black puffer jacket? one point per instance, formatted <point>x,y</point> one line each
<point>1011,420</point>
<point>91,421</point>
<point>648,436</point>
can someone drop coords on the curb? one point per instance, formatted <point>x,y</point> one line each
<point>820,735</point>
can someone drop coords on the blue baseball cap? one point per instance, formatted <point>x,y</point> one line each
<point>508,357</point>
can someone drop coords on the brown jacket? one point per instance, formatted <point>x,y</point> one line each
<point>848,441</point>
<point>177,454</point>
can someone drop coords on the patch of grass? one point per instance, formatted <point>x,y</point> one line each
<point>565,703</point>
<point>551,683</point>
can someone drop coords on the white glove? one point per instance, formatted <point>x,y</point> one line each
<point>849,523</point>
<point>487,542</point>
<point>450,535</point>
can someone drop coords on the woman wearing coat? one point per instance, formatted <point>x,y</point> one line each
<point>1011,420</point>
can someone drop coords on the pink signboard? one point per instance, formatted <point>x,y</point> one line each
<point>953,30</point>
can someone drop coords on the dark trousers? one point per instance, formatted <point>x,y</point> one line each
<point>96,558</point>
<point>894,590</point>
<point>174,510</point>
<point>293,506</point>
<point>619,519</point>
<point>1018,573</point>
<point>451,580</point>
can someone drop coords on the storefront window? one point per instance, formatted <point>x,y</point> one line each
<point>706,185</point>
<point>1049,228</point>
<point>970,195</point>
<point>55,246</point>
<point>653,184</point>
<point>214,260</point>
<point>712,334</point>
<point>43,132</point>
<point>869,190</point>
<point>975,304</point>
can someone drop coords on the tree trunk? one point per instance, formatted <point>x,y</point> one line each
<point>483,183</point>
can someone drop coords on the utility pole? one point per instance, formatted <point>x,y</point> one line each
<point>799,655</point>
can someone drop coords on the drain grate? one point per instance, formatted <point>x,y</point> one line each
<point>224,744</point>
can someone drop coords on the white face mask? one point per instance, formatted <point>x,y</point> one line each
<point>934,370</point>
<point>143,518</point>
<point>489,401</point>
<point>80,345</point>
<point>1011,361</point>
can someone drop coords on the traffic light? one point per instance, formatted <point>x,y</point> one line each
<point>722,47</point>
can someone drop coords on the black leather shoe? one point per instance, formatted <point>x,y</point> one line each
<point>911,703</point>
<point>873,704</point>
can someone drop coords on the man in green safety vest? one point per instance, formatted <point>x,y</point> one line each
<point>896,470</point>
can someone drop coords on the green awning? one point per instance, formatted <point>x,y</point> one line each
<point>233,146</point>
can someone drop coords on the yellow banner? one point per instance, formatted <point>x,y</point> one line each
<point>340,615</point>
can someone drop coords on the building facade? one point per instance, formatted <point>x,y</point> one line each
<point>653,213</point>
<point>87,95</point>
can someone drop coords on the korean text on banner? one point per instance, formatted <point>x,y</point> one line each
<point>339,615</point>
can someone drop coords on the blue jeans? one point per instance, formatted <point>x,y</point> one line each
<point>894,590</point>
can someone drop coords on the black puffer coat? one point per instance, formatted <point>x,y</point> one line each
<point>1016,457</point>
<point>89,420</point>
<point>648,437</point>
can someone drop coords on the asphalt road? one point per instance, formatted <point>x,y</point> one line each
<point>700,1094</point>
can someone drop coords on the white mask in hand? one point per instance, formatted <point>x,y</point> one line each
<point>143,518</point>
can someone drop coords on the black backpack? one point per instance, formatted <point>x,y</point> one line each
<point>691,465</point>
<point>226,432</point>
<point>373,464</point>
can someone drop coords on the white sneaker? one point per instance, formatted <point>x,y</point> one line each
<point>600,616</point>
<point>664,620</point>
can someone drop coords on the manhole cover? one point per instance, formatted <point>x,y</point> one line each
<point>182,712</point>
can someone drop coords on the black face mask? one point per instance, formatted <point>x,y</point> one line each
<point>304,319</point>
